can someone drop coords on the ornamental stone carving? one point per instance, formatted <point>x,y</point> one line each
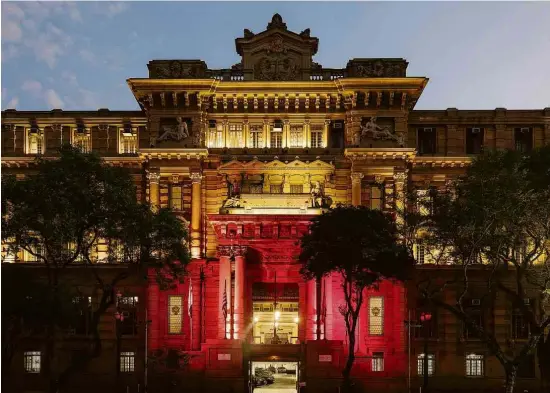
<point>153,177</point>
<point>276,67</point>
<point>232,251</point>
<point>195,177</point>
<point>177,69</point>
<point>378,68</point>
<point>373,130</point>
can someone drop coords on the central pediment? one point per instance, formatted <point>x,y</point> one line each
<point>277,54</point>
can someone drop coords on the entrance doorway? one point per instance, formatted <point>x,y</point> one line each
<point>275,323</point>
<point>273,377</point>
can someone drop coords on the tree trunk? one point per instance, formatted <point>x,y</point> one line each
<point>511,374</point>
<point>346,372</point>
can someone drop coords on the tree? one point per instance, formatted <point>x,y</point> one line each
<point>493,225</point>
<point>361,245</point>
<point>61,212</point>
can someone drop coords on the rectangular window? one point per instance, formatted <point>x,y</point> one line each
<point>256,132</point>
<point>215,134</point>
<point>523,137</point>
<point>426,140</point>
<point>276,188</point>
<point>376,315</point>
<point>420,253</point>
<point>377,361</point>
<point>32,361</point>
<point>82,140</point>
<point>35,141</point>
<point>424,202</point>
<point>296,188</point>
<point>176,198</point>
<point>127,362</point>
<point>235,137</point>
<point>34,254</point>
<point>175,307</point>
<point>128,142</point>
<point>520,327</point>
<point>256,189</point>
<point>474,365</point>
<point>376,197</point>
<point>469,331</point>
<point>8,255</point>
<point>474,140</point>
<point>276,139</point>
<point>431,364</point>
<point>316,136</point>
<point>83,311</point>
<point>296,136</point>
<point>128,307</point>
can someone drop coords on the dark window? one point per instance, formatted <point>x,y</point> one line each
<point>82,314</point>
<point>520,326</point>
<point>469,331</point>
<point>474,140</point>
<point>523,137</point>
<point>426,140</point>
<point>128,308</point>
<point>337,134</point>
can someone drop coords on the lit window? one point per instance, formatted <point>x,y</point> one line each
<point>215,134</point>
<point>377,361</point>
<point>296,136</point>
<point>33,255</point>
<point>420,253</point>
<point>316,136</point>
<point>296,188</point>
<point>175,306</point>
<point>431,364</point>
<point>376,316</point>
<point>127,362</point>
<point>276,140</point>
<point>35,138</point>
<point>235,135</point>
<point>128,141</point>
<point>8,256</point>
<point>256,132</point>
<point>424,202</point>
<point>376,197</point>
<point>82,139</point>
<point>32,361</point>
<point>176,200</point>
<point>474,365</point>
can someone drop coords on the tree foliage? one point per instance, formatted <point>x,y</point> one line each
<point>361,245</point>
<point>59,213</point>
<point>495,219</point>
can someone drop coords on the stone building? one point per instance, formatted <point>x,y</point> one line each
<point>246,155</point>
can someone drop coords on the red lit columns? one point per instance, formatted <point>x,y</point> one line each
<point>231,292</point>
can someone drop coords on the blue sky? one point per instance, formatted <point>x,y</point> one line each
<point>78,55</point>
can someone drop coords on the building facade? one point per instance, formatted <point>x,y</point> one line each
<point>246,156</point>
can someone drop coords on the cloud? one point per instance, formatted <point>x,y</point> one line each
<point>70,77</point>
<point>12,104</point>
<point>87,55</point>
<point>52,99</point>
<point>51,44</point>
<point>11,31</point>
<point>32,86</point>
<point>114,8</point>
<point>10,52</point>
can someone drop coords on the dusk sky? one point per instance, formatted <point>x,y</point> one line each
<point>78,55</point>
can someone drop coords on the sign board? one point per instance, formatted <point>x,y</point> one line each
<point>325,358</point>
<point>224,356</point>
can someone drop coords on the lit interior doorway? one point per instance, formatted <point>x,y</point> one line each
<point>274,377</point>
<point>275,323</point>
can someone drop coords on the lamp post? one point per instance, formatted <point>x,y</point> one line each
<point>425,318</point>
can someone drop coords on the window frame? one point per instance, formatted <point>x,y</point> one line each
<point>420,364</point>
<point>470,140</point>
<point>422,145</point>
<point>170,314</point>
<point>30,360</point>
<point>127,362</point>
<point>477,360</point>
<point>371,327</point>
<point>377,362</point>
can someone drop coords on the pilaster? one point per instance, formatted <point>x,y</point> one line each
<point>356,178</point>
<point>196,179</point>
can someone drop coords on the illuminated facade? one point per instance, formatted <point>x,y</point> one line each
<point>246,156</point>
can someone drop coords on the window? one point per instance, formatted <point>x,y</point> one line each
<point>424,202</point>
<point>426,140</point>
<point>377,361</point>
<point>296,188</point>
<point>376,197</point>
<point>34,254</point>
<point>276,188</point>
<point>82,139</point>
<point>83,311</point>
<point>256,132</point>
<point>276,140</point>
<point>8,255</point>
<point>71,250</point>
<point>520,326</point>
<point>296,136</point>
<point>175,306</point>
<point>35,144</point>
<point>32,361</point>
<point>431,364</point>
<point>316,136</point>
<point>376,315</point>
<point>474,365</point>
<point>469,331</point>
<point>215,134</point>
<point>235,135</point>
<point>523,137</point>
<point>128,306</point>
<point>474,140</point>
<point>128,141</point>
<point>256,189</point>
<point>420,252</point>
<point>127,362</point>
<point>176,197</point>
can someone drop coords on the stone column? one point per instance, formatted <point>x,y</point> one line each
<point>246,133</point>
<point>224,292</point>
<point>153,178</point>
<point>195,215</point>
<point>399,179</point>
<point>286,133</point>
<point>311,319</point>
<point>356,188</point>
<point>239,312</point>
<point>307,134</point>
<point>325,133</point>
<point>267,139</point>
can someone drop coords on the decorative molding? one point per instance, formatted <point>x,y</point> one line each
<point>153,177</point>
<point>195,177</point>
<point>356,177</point>
<point>232,251</point>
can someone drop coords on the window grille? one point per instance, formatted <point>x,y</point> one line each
<point>431,364</point>
<point>32,361</point>
<point>377,361</point>
<point>176,198</point>
<point>296,136</point>
<point>256,132</point>
<point>128,143</point>
<point>175,307</point>
<point>316,136</point>
<point>127,362</point>
<point>474,365</point>
<point>276,139</point>
<point>235,135</point>
<point>420,253</point>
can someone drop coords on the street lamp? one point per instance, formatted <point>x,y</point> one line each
<point>425,318</point>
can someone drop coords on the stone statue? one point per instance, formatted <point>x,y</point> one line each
<point>232,202</point>
<point>316,195</point>
<point>175,132</point>
<point>378,132</point>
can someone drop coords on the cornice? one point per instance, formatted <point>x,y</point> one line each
<point>177,154</point>
<point>442,162</point>
<point>396,153</point>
